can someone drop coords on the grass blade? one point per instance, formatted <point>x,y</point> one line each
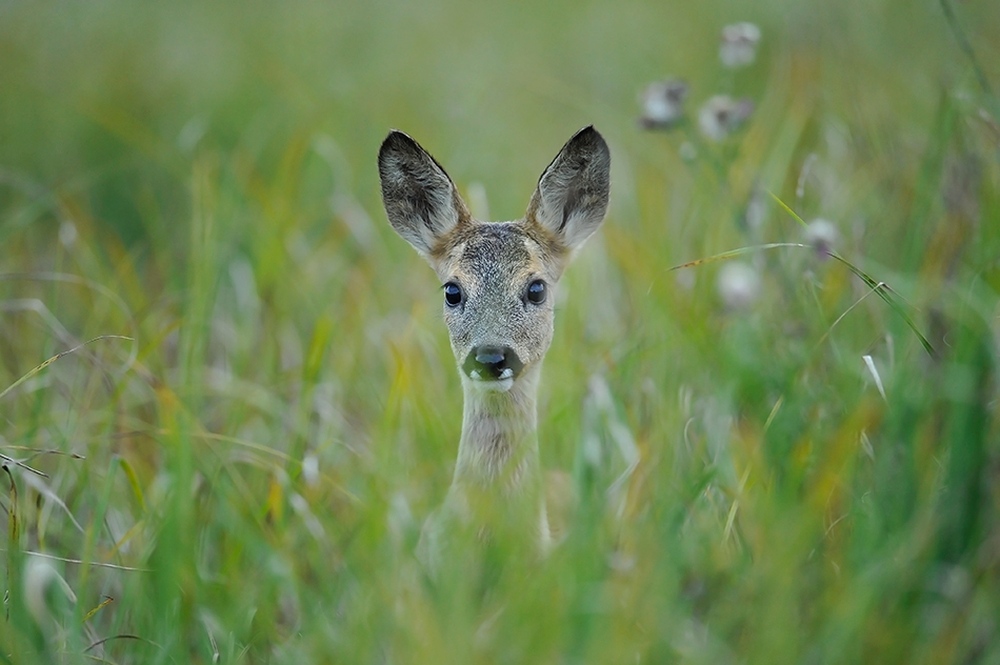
<point>733,253</point>
<point>38,368</point>
<point>881,288</point>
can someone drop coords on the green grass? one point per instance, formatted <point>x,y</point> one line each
<point>237,466</point>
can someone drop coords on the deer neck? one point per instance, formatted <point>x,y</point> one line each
<point>498,451</point>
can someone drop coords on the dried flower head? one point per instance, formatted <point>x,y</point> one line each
<point>663,104</point>
<point>739,45</point>
<point>721,115</point>
<point>822,234</point>
<point>738,285</point>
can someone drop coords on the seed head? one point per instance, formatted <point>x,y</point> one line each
<point>721,115</point>
<point>822,234</point>
<point>662,104</point>
<point>738,285</point>
<point>739,45</point>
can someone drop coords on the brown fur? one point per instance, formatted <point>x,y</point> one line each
<point>494,264</point>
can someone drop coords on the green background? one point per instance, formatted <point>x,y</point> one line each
<point>244,478</point>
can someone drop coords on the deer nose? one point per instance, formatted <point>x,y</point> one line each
<point>492,363</point>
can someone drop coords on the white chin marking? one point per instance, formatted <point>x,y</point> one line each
<point>496,386</point>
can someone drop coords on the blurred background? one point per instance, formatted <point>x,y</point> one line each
<point>259,407</point>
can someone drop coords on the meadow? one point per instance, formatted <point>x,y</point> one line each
<point>228,403</point>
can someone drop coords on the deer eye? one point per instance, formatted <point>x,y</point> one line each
<point>536,292</point>
<point>453,295</point>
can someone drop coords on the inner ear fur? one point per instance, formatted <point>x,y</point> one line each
<point>571,198</point>
<point>421,201</point>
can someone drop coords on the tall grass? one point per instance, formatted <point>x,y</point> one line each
<point>228,403</point>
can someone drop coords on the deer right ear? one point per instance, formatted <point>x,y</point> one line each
<point>572,194</point>
<point>420,199</point>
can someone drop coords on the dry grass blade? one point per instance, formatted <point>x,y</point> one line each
<point>265,450</point>
<point>733,253</point>
<point>889,296</point>
<point>870,364</point>
<point>100,606</point>
<point>93,285</point>
<point>96,564</point>
<point>5,461</point>
<point>56,357</point>
<point>47,451</point>
<point>123,636</point>
<point>44,490</point>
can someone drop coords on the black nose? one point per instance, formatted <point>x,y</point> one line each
<point>492,363</point>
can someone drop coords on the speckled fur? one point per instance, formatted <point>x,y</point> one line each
<point>493,263</point>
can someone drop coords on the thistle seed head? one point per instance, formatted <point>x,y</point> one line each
<point>738,47</point>
<point>722,115</point>
<point>662,104</point>
<point>822,234</point>
<point>738,285</point>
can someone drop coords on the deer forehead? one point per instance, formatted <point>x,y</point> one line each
<point>500,255</point>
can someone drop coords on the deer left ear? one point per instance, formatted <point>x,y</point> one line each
<point>420,199</point>
<point>572,194</point>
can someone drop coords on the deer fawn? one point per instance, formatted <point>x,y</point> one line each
<point>498,288</point>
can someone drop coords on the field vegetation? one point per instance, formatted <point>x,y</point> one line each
<point>228,403</point>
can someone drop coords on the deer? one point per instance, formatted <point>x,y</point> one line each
<point>498,281</point>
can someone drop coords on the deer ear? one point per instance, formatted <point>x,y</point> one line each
<point>420,199</point>
<point>572,194</point>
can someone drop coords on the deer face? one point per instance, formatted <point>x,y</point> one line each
<point>498,302</point>
<point>498,278</point>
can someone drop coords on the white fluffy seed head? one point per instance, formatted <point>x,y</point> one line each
<point>722,115</point>
<point>822,234</point>
<point>738,47</point>
<point>663,104</point>
<point>738,285</point>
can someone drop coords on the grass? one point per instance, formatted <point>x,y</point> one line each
<point>228,402</point>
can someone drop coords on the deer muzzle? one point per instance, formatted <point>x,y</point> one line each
<point>492,363</point>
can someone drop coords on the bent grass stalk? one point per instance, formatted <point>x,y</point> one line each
<point>882,289</point>
<point>41,367</point>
